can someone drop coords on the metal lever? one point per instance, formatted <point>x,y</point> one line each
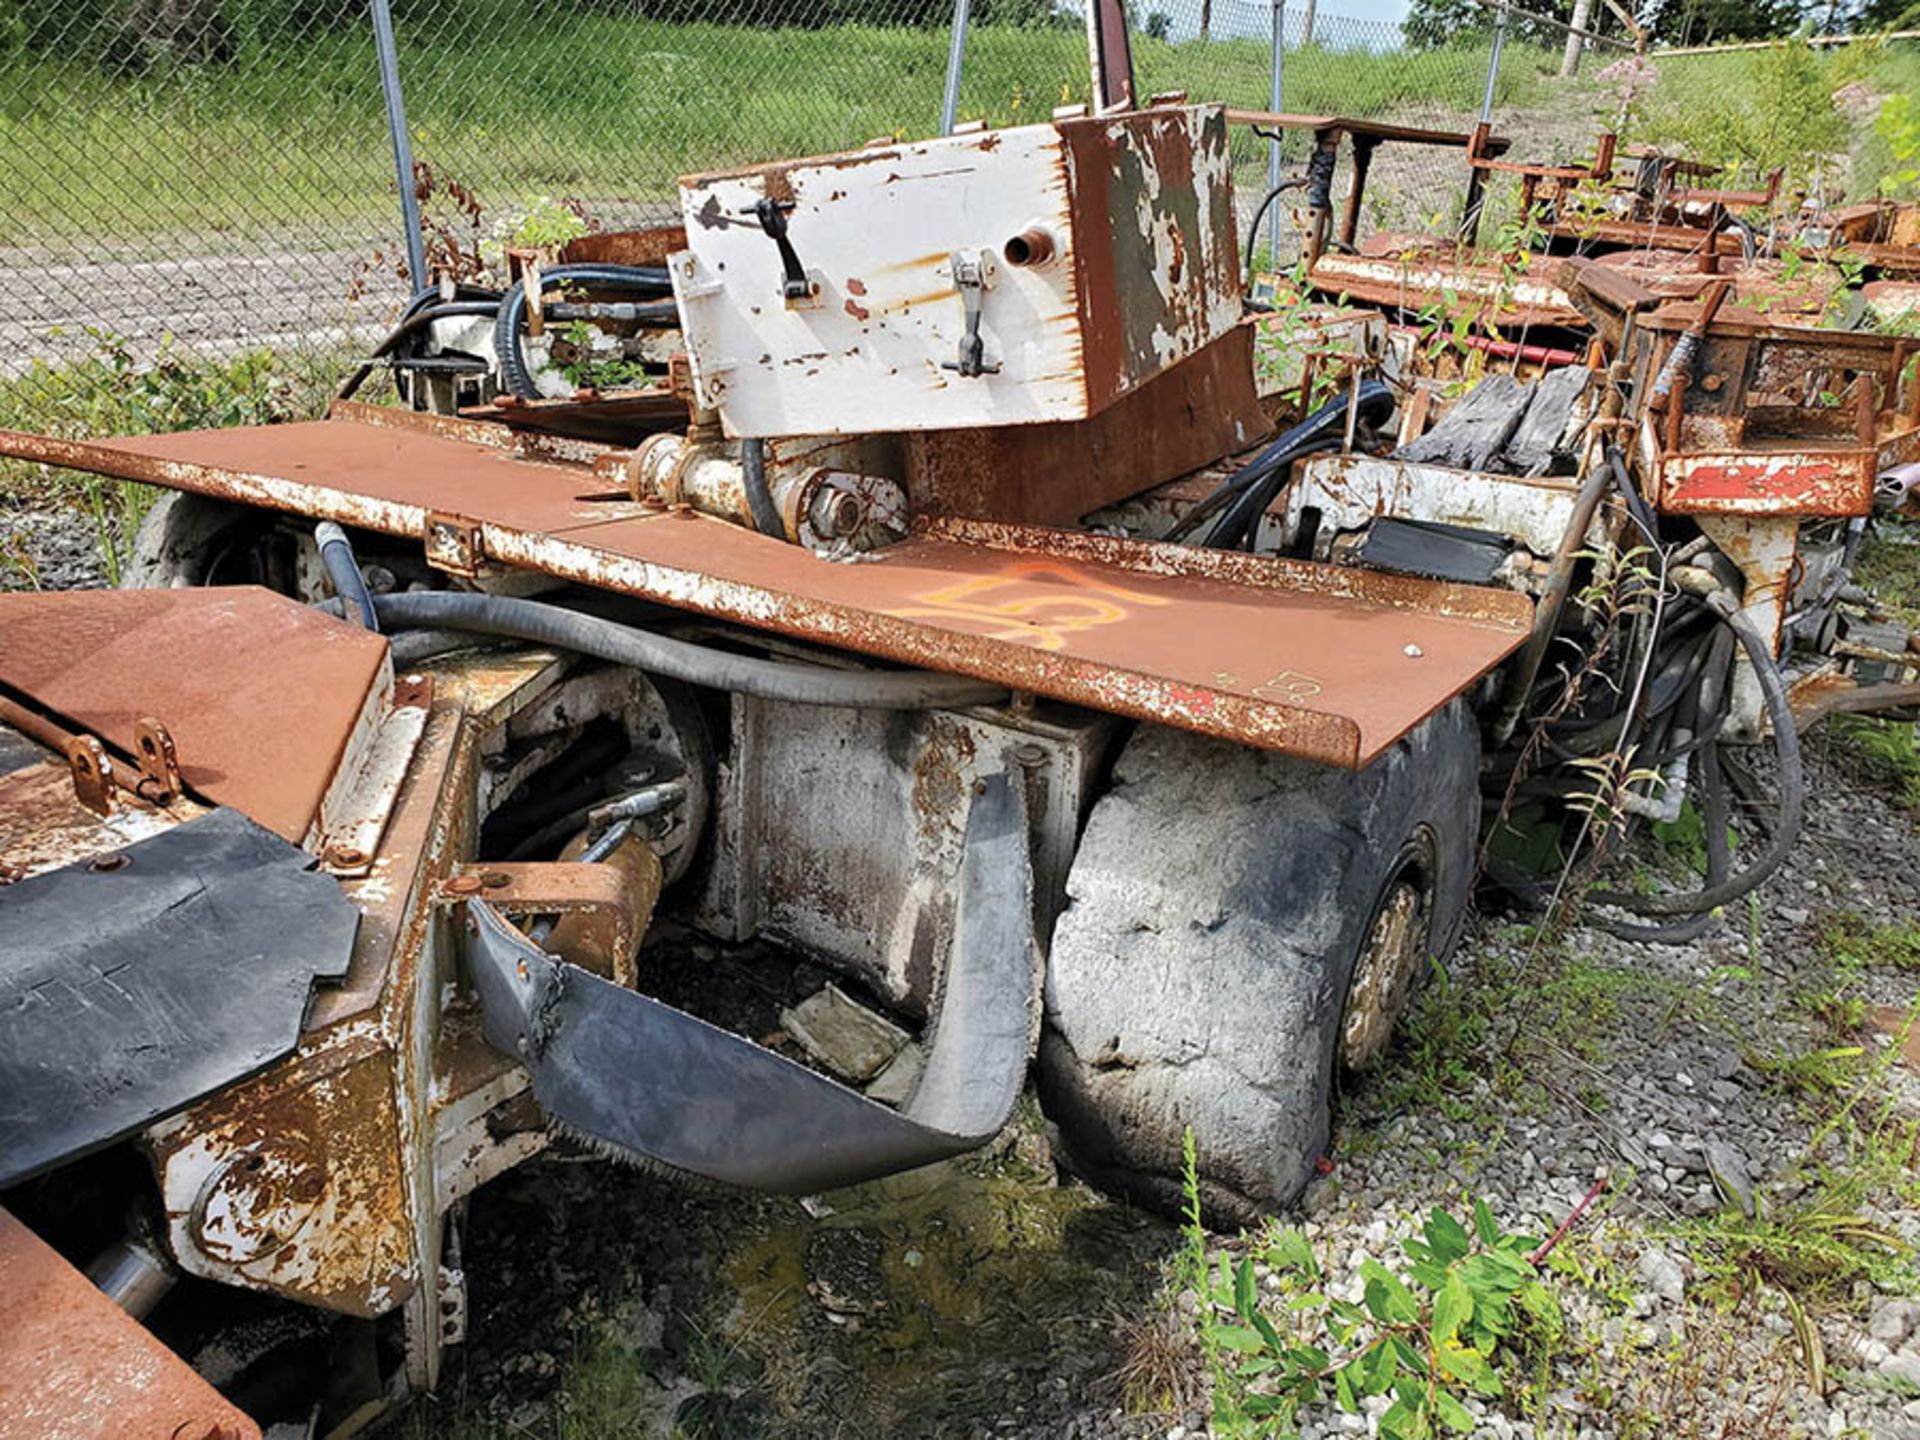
<point>970,278</point>
<point>772,216</point>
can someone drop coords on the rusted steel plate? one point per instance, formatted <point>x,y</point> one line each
<point>264,698</point>
<point>74,1363</point>
<point>1329,663</point>
<point>1419,277</point>
<point>1203,408</point>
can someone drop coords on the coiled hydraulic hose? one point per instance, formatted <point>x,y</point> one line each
<point>343,570</point>
<point>514,372</point>
<point>540,623</point>
<point>1793,787</point>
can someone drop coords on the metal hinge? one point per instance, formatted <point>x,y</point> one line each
<point>454,544</point>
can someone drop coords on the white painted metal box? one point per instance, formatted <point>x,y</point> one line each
<point>1002,277</point>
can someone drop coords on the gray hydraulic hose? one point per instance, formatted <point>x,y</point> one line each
<point>1793,785</point>
<point>336,553</point>
<point>543,624</point>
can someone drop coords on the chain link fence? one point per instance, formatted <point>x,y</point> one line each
<point>199,221</point>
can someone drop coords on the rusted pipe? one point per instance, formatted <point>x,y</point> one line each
<point>1032,246</point>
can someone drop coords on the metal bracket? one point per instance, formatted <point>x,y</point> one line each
<point>160,780</point>
<point>616,909</point>
<point>772,215</point>
<point>454,544</point>
<point>972,277</point>
<point>92,773</point>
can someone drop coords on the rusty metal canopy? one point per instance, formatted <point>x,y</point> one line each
<point>74,1363</point>
<point>1333,664</point>
<point>263,696</point>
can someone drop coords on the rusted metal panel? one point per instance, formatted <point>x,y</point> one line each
<point>1203,408</point>
<point>1086,256</point>
<point>1420,277</point>
<point>264,699</point>
<point>43,825</point>
<point>297,1182</point>
<point>625,247</point>
<point>73,1363</point>
<point>1313,660</point>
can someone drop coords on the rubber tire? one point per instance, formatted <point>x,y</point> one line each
<point>177,538</point>
<point>1217,905</point>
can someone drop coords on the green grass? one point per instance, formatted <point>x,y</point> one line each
<point>114,392</point>
<point>1753,110</point>
<point>604,109</point>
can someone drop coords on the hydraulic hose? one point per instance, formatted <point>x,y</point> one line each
<point>753,479</point>
<point>425,308</point>
<point>540,623</point>
<point>1792,780</point>
<point>1310,434</point>
<point>1292,182</point>
<point>514,374</point>
<point>343,570</point>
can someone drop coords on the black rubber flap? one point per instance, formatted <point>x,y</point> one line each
<point>129,990</point>
<point>651,1082</point>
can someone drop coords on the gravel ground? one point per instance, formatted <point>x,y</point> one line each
<point>993,1297</point>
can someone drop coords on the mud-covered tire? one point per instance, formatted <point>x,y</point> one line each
<point>1218,905</point>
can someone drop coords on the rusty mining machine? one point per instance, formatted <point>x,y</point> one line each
<point>972,598</point>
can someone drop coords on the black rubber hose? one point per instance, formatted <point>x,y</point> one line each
<point>416,647</point>
<point>1292,182</point>
<point>343,570</point>
<point>514,374</point>
<point>753,472</point>
<point>421,311</point>
<point>1792,782</point>
<point>1239,526</point>
<point>543,624</point>
<point>1289,446</point>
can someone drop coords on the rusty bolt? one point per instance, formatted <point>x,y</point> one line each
<point>347,855</point>
<point>107,864</point>
<point>496,880</point>
<point>464,885</point>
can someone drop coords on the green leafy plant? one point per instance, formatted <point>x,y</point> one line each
<point>1426,1337</point>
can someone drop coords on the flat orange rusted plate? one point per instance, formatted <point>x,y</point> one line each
<point>74,1363</point>
<point>261,695</point>
<point>1329,663</point>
